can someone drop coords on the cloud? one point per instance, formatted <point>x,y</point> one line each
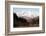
<point>28,12</point>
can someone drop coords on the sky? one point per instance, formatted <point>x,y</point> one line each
<point>29,12</point>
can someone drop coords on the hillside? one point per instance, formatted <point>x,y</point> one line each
<point>25,21</point>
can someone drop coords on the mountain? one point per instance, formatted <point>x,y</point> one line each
<point>25,21</point>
